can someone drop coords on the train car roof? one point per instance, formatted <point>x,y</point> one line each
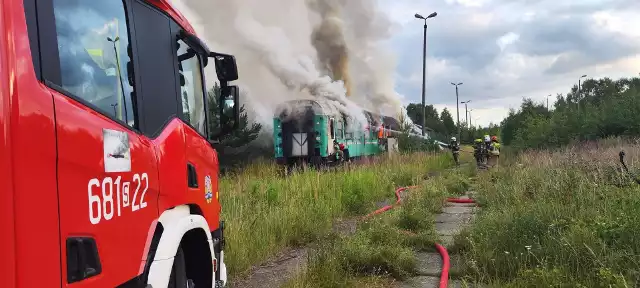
<point>318,107</point>
<point>330,109</point>
<point>391,122</point>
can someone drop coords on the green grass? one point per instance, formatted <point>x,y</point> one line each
<point>266,212</point>
<point>383,249</point>
<point>567,218</point>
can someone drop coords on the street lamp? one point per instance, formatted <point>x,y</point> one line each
<point>113,41</point>
<point>470,110</point>
<point>465,112</point>
<point>424,64</point>
<point>580,86</point>
<point>457,106</point>
<point>579,91</point>
<point>548,102</point>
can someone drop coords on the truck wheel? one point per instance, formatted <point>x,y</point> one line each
<point>178,278</point>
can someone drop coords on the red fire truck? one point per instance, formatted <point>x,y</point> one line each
<point>108,176</point>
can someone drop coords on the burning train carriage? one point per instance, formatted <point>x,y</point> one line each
<point>304,132</point>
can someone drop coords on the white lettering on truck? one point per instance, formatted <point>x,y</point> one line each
<point>101,196</point>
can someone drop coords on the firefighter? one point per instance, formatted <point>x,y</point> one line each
<point>486,148</point>
<point>477,150</point>
<point>341,151</point>
<point>455,149</point>
<point>382,138</point>
<point>495,143</point>
<point>494,151</point>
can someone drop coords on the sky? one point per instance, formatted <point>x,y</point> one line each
<point>506,50</point>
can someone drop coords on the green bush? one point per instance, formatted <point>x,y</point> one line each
<point>605,108</point>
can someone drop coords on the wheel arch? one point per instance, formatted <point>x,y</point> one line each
<point>180,227</point>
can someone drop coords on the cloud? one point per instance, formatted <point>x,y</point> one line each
<point>504,50</point>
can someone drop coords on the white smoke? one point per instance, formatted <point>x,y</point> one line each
<point>277,61</point>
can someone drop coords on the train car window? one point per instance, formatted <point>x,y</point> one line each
<point>94,54</point>
<point>333,136</point>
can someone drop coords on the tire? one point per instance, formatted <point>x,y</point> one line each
<point>178,278</point>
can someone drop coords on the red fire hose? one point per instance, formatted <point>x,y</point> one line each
<point>398,200</point>
<point>444,274</point>
<point>459,200</point>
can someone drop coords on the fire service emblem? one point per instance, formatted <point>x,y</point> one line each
<point>208,189</point>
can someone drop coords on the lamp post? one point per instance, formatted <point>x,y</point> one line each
<point>457,106</point>
<point>548,102</point>
<point>579,91</point>
<point>424,65</point>
<point>466,120</point>
<point>580,86</point>
<point>115,50</point>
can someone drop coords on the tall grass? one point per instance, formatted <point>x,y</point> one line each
<point>382,251</point>
<point>564,218</point>
<point>267,212</point>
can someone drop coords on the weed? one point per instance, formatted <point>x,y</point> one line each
<point>266,212</point>
<point>383,249</point>
<point>561,219</point>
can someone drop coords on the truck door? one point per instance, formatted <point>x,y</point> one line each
<point>202,163</point>
<point>107,171</point>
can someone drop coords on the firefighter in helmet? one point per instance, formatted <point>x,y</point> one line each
<point>455,149</point>
<point>494,150</point>
<point>477,149</point>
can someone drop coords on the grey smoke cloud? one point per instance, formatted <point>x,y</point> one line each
<point>283,54</point>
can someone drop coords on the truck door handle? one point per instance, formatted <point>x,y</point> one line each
<point>82,259</point>
<point>192,176</point>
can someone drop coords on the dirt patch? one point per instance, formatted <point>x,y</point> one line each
<point>275,272</point>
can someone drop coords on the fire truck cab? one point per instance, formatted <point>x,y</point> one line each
<point>108,176</point>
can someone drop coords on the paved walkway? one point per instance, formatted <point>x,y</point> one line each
<point>453,219</point>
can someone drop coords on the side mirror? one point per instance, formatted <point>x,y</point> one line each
<point>226,67</point>
<point>229,108</point>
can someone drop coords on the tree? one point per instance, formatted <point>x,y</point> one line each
<point>603,108</point>
<point>414,111</point>
<point>517,119</point>
<point>231,147</point>
<point>408,143</point>
<point>447,122</point>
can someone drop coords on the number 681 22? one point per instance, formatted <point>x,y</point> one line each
<point>101,194</point>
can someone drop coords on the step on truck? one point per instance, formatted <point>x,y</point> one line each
<point>108,175</point>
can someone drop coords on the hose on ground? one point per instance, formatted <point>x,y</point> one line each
<point>444,274</point>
